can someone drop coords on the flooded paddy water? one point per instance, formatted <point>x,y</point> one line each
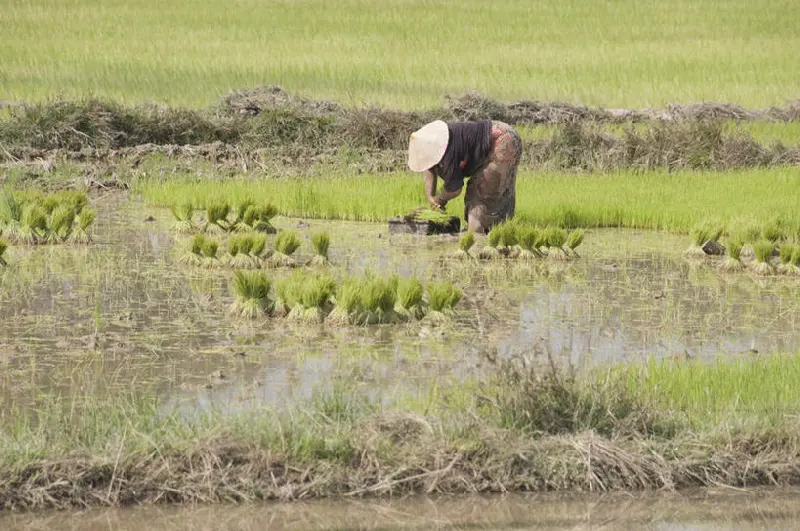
<point>85,319</point>
<point>769,509</point>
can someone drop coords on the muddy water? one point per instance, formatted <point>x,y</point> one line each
<point>693,511</point>
<point>124,310</point>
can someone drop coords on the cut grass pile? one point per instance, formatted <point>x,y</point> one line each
<point>32,217</point>
<point>659,424</point>
<point>651,200</point>
<point>384,53</point>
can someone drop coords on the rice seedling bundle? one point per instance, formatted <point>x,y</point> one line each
<point>34,224</point>
<point>466,243</point>
<point>252,289</point>
<point>62,221</point>
<point>794,262</point>
<point>733,261</point>
<point>210,249</point>
<point>3,247</point>
<point>81,233</point>
<point>378,300</point>
<point>785,256</point>
<point>490,251</point>
<point>321,242</point>
<point>347,302</point>
<point>241,211</point>
<point>314,298</point>
<point>287,292</point>
<point>184,215</point>
<point>763,250</point>
<point>410,305</point>
<point>442,299</point>
<point>509,239</point>
<point>286,243</point>
<point>217,217</point>
<point>240,249</point>
<point>194,256</point>
<point>259,218</point>
<point>773,233</point>
<point>574,240</point>
<point>701,234</point>
<point>528,240</point>
<point>13,215</point>
<point>555,238</point>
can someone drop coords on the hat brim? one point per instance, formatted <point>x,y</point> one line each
<point>427,145</point>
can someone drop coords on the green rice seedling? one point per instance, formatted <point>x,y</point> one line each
<point>259,248</point>
<point>195,254</point>
<point>81,233</point>
<point>410,305</point>
<point>785,255</point>
<point>556,238</point>
<point>62,221</point>
<point>11,215</point>
<point>252,289</point>
<point>241,210</point>
<point>508,244</point>
<point>491,251</point>
<point>314,298</point>
<point>3,247</point>
<point>702,233</point>
<point>733,263</point>
<point>763,250</point>
<point>794,262</point>
<point>259,218</point>
<point>240,249</point>
<point>348,306</point>
<point>466,243</point>
<point>442,299</point>
<point>217,217</point>
<point>378,299</point>
<point>431,215</point>
<point>210,249</point>
<point>184,217</point>
<point>33,228</point>
<point>574,240</point>
<point>321,242</point>
<point>50,202</point>
<point>288,292</point>
<point>75,199</point>
<point>528,238</point>
<point>286,243</point>
<point>773,232</point>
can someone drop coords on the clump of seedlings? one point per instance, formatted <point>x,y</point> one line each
<point>733,260</point>
<point>183,215</point>
<point>794,262</point>
<point>195,255</point>
<point>508,244</point>
<point>347,302</point>
<point>466,243</point>
<point>529,240</point>
<point>705,238</point>
<point>286,243</point>
<point>410,303</point>
<point>245,250</point>
<point>378,300</point>
<point>81,234</point>
<point>3,247</point>
<point>574,240</point>
<point>62,221</point>
<point>763,250</point>
<point>287,295</point>
<point>313,297</point>
<point>13,218</point>
<point>217,218</point>
<point>555,239</point>
<point>252,295</point>
<point>785,255</point>
<point>321,242</point>
<point>442,298</point>
<point>210,249</point>
<point>34,218</point>
<point>33,229</point>
<point>259,218</point>
<point>774,233</point>
<point>491,251</point>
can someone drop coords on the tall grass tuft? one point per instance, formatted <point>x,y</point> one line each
<point>763,250</point>
<point>321,241</point>
<point>378,299</point>
<point>85,219</point>
<point>286,243</point>
<point>3,247</point>
<point>348,306</point>
<point>443,297</point>
<point>466,243</point>
<point>410,294</point>
<point>733,263</point>
<point>252,290</point>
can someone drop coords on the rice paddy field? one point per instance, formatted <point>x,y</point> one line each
<point>204,310</point>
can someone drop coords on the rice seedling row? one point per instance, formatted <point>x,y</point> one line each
<point>34,218</point>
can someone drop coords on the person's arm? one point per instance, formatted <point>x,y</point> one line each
<point>430,188</point>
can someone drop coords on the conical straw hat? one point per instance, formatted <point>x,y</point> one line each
<point>427,145</point>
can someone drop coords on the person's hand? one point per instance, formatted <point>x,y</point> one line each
<point>435,204</point>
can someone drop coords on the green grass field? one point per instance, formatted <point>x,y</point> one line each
<point>654,200</point>
<point>404,53</point>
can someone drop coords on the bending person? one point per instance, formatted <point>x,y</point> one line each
<point>486,152</point>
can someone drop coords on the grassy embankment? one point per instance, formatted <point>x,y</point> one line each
<point>666,424</point>
<point>653,200</point>
<point>616,54</point>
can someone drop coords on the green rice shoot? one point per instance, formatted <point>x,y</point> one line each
<point>85,219</point>
<point>217,217</point>
<point>348,302</point>
<point>575,239</point>
<point>465,243</point>
<point>555,238</point>
<point>252,289</point>
<point>443,296</point>
<point>732,262</point>
<point>321,242</point>
<point>286,243</point>
<point>314,296</point>
<point>491,251</point>
<point>763,250</point>
<point>378,299</point>
<point>410,295</point>
<point>62,221</point>
<point>528,239</point>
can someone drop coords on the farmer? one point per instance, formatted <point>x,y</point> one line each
<point>487,151</point>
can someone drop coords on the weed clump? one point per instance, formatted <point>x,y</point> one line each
<point>466,243</point>
<point>252,295</point>
<point>321,242</point>
<point>347,302</point>
<point>286,243</point>
<point>410,294</point>
<point>442,298</point>
<point>763,250</point>
<point>733,262</point>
